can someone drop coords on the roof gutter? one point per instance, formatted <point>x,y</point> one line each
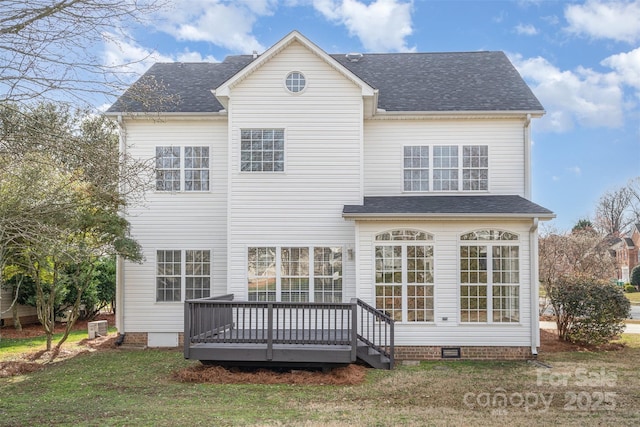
<point>462,216</point>
<point>120,300</point>
<point>382,114</point>
<point>534,287</point>
<point>222,114</point>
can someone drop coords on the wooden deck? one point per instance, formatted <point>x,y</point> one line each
<point>221,330</point>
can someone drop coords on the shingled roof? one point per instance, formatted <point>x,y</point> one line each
<point>407,82</point>
<point>437,206</point>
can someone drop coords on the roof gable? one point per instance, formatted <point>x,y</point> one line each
<point>222,92</point>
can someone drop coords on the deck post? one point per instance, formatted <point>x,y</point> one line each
<point>269,331</point>
<point>186,337</point>
<point>354,330</point>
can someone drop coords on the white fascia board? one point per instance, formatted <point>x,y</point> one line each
<point>223,91</point>
<point>221,115</point>
<point>399,115</point>
<point>439,216</point>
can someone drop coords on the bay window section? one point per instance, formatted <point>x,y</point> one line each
<point>489,277</point>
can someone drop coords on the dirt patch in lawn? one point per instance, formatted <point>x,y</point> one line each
<point>348,375</point>
<point>35,329</point>
<point>549,343</point>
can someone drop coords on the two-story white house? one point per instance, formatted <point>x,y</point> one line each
<point>400,179</point>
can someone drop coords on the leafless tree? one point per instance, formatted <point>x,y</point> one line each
<point>612,211</point>
<point>634,189</point>
<point>579,254</point>
<point>46,47</point>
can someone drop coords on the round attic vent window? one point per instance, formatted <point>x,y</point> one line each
<point>295,82</point>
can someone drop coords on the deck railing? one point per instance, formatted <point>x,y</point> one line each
<point>376,329</point>
<point>223,320</point>
<point>220,320</point>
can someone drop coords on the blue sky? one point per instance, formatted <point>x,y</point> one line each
<point>582,60</point>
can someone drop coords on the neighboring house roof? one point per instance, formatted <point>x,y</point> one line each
<point>407,82</point>
<point>449,206</point>
<point>629,242</point>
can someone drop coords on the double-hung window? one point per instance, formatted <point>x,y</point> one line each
<point>182,168</point>
<point>441,168</point>
<point>262,150</point>
<point>489,277</point>
<point>404,275</point>
<point>294,274</point>
<point>182,274</point>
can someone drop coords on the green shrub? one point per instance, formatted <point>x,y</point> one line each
<point>589,311</point>
<point>634,279</point>
<point>629,288</point>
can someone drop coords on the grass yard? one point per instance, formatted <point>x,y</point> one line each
<point>136,387</point>
<point>634,297</point>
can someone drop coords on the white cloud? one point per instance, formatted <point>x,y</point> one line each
<point>627,66</point>
<point>617,20</point>
<point>581,96</point>
<point>381,26</point>
<point>131,59</point>
<point>527,30</point>
<point>575,170</point>
<point>226,24</point>
<point>128,57</point>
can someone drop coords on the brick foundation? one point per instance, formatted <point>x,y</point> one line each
<point>135,338</point>
<point>469,353</point>
<point>141,338</point>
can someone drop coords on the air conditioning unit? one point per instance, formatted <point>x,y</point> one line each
<point>97,329</point>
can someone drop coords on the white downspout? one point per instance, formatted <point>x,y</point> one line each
<point>534,287</point>
<point>119,261</point>
<point>527,157</point>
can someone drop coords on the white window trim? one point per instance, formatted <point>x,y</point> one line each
<point>183,272</point>
<point>461,169</point>
<point>404,243</point>
<point>278,248</point>
<point>182,170</point>
<point>489,244</point>
<point>284,149</point>
<point>306,82</point>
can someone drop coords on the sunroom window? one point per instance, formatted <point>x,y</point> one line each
<point>489,277</point>
<point>404,275</point>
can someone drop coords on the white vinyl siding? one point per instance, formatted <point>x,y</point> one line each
<point>447,327</point>
<point>323,141</point>
<point>175,220</point>
<point>384,140</point>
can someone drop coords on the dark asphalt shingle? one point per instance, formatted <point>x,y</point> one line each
<point>462,81</point>
<point>447,205</point>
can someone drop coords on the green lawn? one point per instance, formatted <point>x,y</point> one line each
<point>634,297</point>
<point>135,387</point>
<point>10,347</point>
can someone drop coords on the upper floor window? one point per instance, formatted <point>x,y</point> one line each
<point>262,150</point>
<point>182,168</point>
<point>446,168</point>
<point>295,82</point>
